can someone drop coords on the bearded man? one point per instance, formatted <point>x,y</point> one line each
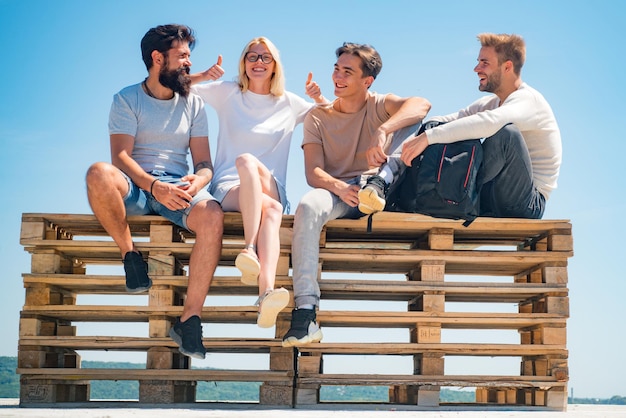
<point>153,125</point>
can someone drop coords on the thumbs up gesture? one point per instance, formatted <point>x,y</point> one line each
<point>215,72</point>
<point>313,90</point>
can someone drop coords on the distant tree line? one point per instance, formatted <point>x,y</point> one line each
<point>240,391</point>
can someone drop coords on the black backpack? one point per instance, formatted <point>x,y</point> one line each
<point>441,182</point>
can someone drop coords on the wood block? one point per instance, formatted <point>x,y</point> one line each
<point>310,364</point>
<point>429,271</point>
<point>37,295</point>
<point>537,367</point>
<point>282,358</point>
<point>32,231</point>
<point>557,305</point>
<point>161,296</point>
<point>285,236</point>
<point>166,391</point>
<point>403,394</point>
<point>71,360</point>
<point>161,263</point>
<point>481,395</point>
<point>433,302</point>
<point>431,366</point>
<point>555,275</point>
<point>528,397</point>
<point>511,396</point>
<point>558,242</point>
<point>161,233</point>
<point>500,397</point>
<point>535,276</point>
<point>283,323</point>
<point>557,398</point>
<point>441,239</point>
<point>159,358</point>
<point>282,268</point>
<point>31,359</point>
<point>29,327</point>
<point>428,396</point>
<point>45,261</point>
<point>554,336</point>
<point>48,328</point>
<point>159,327</point>
<point>276,394</point>
<point>428,334</point>
<point>540,398</point>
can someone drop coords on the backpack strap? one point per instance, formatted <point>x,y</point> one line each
<point>369,223</point>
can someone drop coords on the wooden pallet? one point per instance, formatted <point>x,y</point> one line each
<point>407,259</point>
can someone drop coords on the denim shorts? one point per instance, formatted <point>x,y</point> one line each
<point>219,191</point>
<point>140,202</point>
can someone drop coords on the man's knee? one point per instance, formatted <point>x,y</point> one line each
<point>310,205</point>
<point>102,177</point>
<point>206,216</point>
<point>506,133</point>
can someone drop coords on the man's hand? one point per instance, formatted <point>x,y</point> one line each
<point>349,194</point>
<point>413,147</point>
<point>375,154</point>
<point>172,196</point>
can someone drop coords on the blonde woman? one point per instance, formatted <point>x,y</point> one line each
<point>257,118</point>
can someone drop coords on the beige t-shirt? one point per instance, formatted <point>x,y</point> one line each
<point>345,137</point>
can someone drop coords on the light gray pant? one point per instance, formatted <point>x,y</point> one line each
<point>316,208</point>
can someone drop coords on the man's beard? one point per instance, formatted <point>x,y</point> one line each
<point>178,80</point>
<point>493,83</point>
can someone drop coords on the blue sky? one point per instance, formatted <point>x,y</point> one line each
<point>63,61</point>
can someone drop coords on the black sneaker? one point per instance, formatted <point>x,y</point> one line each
<point>303,329</point>
<point>372,195</point>
<point>188,336</point>
<point>136,269</point>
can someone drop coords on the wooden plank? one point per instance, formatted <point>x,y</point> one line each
<point>209,375</point>
<point>401,226</point>
<point>372,260</point>
<point>434,380</point>
<point>448,349</point>
<point>499,263</point>
<point>353,289</point>
<point>261,345</point>
<point>215,345</point>
<point>248,314</point>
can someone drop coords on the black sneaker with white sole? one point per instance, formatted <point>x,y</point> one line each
<point>136,269</point>
<point>188,336</point>
<point>303,330</point>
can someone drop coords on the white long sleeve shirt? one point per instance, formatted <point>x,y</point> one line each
<point>527,109</point>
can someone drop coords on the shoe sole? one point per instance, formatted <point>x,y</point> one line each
<point>139,289</point>
<point>370,202</point>
<point>179,341</point>
<point>249,267</point>
<point>271,307</point>
<point>316,337</point>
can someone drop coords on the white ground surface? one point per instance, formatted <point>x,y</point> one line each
<point>10,408</point>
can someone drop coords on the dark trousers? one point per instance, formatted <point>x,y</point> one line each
<point>506,178</point>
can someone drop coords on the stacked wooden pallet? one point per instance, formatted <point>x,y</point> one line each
<point>409,259</point>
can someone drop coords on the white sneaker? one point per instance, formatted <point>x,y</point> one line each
<point>250,268</point>
<point>270,305</point>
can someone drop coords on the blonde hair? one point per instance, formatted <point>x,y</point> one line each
<point>277,83</point>
<point>508,48</point>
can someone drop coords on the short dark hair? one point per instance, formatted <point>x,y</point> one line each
<point>371,63</point>
<point>161,37</point>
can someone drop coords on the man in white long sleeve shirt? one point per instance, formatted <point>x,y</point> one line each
<point>522,145</point>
